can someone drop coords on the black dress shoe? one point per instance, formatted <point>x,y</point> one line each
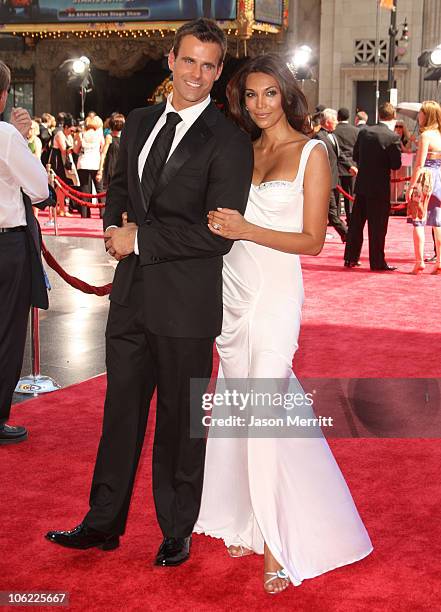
<point>385,268</point>
<point>82,537</point>
<point>10,434</point>
<point>173,551</point>
<point>352,264</point>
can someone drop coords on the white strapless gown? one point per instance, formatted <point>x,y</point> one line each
<point>287,492</point>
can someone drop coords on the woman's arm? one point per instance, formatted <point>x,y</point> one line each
<point>38,147</point>
<point>420,158</point>
<point>107,143</point>
<point>316,193</point>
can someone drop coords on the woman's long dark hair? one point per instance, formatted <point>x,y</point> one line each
<point>294,102</point>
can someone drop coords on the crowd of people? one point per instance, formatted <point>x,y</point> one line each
<point>82,154</point>
<point>362,158</point>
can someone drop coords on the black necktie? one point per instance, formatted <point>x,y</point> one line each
<point>158,154</point>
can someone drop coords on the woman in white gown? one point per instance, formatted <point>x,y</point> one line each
<point>282,497</point>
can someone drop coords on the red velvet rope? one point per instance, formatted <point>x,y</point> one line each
<point>102,194</point>
<point>345,193</point>
<point>75,199</point>
<point>73,281</point>
<point>400,179</point>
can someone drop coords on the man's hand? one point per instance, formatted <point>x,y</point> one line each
<point>21,120</point>
<point>120,241</point>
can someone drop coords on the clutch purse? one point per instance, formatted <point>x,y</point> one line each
<point>420,196</point>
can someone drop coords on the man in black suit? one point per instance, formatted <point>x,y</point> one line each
<point>328,122</point>
<point>177,162</point>
<point>377,151</point>
<point>347,169</point>
<point>23,182</point>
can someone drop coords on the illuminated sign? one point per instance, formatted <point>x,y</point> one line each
<point>80,11</point>
<point>269,11</point>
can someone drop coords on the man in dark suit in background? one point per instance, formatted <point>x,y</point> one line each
<point>361,119</point>
<point>377,151</point>
<point>328,122</point>
<point>347,169</point>
<point>23,182</point>
<point>177,161</point>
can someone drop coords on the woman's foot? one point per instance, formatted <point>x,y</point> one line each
<point>239,551</point>
<point>437,269</point>
<point>418,267</point>
<point>275,578</point>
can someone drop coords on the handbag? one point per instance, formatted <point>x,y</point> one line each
<point>71,171</point>
<point>420,196</point>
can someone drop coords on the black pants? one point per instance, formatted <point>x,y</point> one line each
<point>347,183</point>
<point>375,211</point>
<point>334,214</point>
<point>15,301</point>
<point>87,178</point>
<point>138,362</point>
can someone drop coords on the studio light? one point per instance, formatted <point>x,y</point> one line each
<point>300,63</point>
<point>435,57</point>
<point>302,56</point>
<point>81,65</point>
<point>77,71</point>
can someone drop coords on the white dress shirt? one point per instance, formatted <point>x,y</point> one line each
<point>18,169</point>
<point>188,116</point>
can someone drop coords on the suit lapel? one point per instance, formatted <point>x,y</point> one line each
<point>194,139</point>
<point>145,128</point>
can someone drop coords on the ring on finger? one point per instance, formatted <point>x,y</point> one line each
<point>217,226</point>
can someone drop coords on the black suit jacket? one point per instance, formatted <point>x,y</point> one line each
<point>377,151</point>
<point>347,135</point>
<point>333,152</point>
<point>181,259</point>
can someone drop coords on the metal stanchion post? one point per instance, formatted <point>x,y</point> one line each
<point>35,383</point>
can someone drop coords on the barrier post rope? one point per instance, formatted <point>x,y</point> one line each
<point>35,383</point>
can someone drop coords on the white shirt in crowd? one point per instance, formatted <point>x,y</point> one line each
<point>92,143</point>
<point>18,169</point>
<point>188,115</point>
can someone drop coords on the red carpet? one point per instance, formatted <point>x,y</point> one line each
<point>74,226</point>
<point>355,324</point>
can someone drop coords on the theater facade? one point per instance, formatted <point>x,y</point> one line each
<point>127,43</point>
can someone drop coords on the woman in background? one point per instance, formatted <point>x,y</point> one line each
<point>428,158</point>
<point>60,157</point>
<point>89,145</point>
<point>34,142</point>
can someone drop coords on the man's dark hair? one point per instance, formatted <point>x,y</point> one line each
<point>205,30</point>
<point>386,111</point>
<point>5,77</point>
<point>319,108</point>
<point>342,114</point>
